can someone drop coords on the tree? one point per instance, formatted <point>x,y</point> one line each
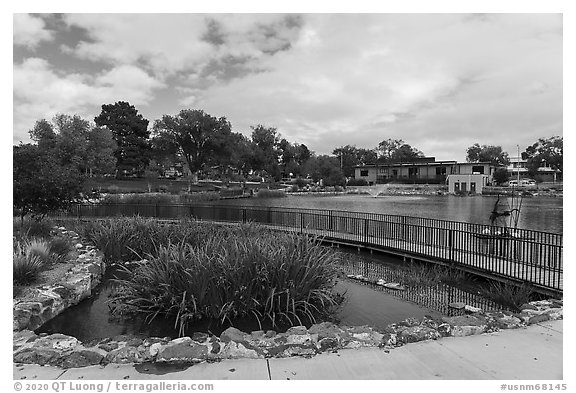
<point>396,150</point>
<point>485,153</point>
<point>76,142</point>
<point>351,156</point>
<point>131,135</point>
<point>325,168</point>
<point>200,137</point>
<point>549,151</point>
<point>266,150</point>
<point>40,183</point>
<point>501,176</point>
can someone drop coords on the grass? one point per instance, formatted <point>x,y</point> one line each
<point>29,260</point>
<point>510,295</point>
<point>245,271</point>
<point>61,248</point>
<point>31,227</point>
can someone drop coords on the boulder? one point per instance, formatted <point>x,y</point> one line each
<point>125,355</point>
<point>297,330</point>
<point>232,334</point>
<point>327,343</point>
<point>236,350</point>
<point>457,305</point>
<point>418,333</point>
<point>41,356</point>
<point>469,330</point>
<point>325,329</point>
<point>182,349</point>
<point>82,358</point>
<point>59,342</point>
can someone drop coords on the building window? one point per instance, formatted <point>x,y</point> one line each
<point>440,171</point>
<point>364,172</point>
<point>478,169</point>
<point>412,172</point>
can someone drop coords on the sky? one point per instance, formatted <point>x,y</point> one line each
<point>440,82</point>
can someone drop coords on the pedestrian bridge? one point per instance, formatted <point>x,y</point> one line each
<point>505,254</point>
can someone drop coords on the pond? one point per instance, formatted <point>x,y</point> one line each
<point>537,213</point>
<point>364,304</point>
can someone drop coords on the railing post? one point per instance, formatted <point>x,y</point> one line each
<point>451,245</point>
<point>301,222</point>
<point>365,231</point>
<point>244,215</point>
<point>157,211</point>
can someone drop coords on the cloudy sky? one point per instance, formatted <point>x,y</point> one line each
<point>440,82</point>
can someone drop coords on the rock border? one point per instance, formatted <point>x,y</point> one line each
<point>68,352</point>
<point>45,302</point>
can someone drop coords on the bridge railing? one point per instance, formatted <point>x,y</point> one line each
<point>522,254</point>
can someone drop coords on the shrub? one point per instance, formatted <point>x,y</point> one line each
<point>31,227</point>
<point>201,196</point>
<point>41,249</point>
<point>61,248</point>
<point>27,265</point>
<point>356,182</point>
<point>266,193</point>
<point>247,271</point>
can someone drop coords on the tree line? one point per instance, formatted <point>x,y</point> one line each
<point>120,141</point>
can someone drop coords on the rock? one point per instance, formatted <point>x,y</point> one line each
<point>60,342</point>
<point>325,329</point>
<point>40,356</point>
<point>327,343</point>
<point>78,245</point>
<point>236,350</point>
<point>389,339</point>
<point>538,318</point>
<point>507,322</point>
<point>125,355</point>
<point>444,330</point>
<point>182,349</point>
<point>528,306</point>
<point>108,346</point>
<point>465,320</point>
<point>21,319</point>
<point>472,309</point>
<point>418,333</point>
<point>457,305</point>
<point>216,347</point>
<point>394,285</point>
<point>81,358</point>
<point>232,334</point>
<point>470,330</point>
<point>297,330</point>
<point>270,334</point>
<point>134,342</point>
<point>408,322</point>
<point>298,339</point>
<point>200,337</point>
<point>556,303</point>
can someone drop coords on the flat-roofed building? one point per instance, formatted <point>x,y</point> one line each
<point>424,170</point>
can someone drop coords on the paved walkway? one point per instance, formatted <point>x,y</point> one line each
<point>533,353</point>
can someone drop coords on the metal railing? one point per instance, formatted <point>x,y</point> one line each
<point>519,254</point>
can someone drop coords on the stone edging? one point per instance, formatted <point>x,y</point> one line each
<point>67,352</point>
<point>45,302</point>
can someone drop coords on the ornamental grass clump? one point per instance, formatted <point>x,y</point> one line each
<point>28,263</point>
<point>242,272</point>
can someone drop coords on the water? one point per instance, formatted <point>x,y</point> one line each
<point>365,304</point>
<point>538,213</point>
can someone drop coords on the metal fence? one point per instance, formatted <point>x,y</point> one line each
<point>519,254</point>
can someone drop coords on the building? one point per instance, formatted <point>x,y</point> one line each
<point>471,183</point>
<point>422,170</point>
<point>518,168</point>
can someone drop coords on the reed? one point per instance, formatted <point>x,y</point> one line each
<point>247,271</point>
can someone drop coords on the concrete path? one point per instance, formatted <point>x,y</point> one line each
<point>533,353</point>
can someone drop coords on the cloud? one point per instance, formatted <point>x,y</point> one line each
<point>181,43</point>
<point>29,31</point>
<point>422,78</point>
<point>41,92</point>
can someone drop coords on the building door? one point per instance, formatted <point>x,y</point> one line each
<point>456,186</point>
<point>473,187</point>
<point>463,187</point>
